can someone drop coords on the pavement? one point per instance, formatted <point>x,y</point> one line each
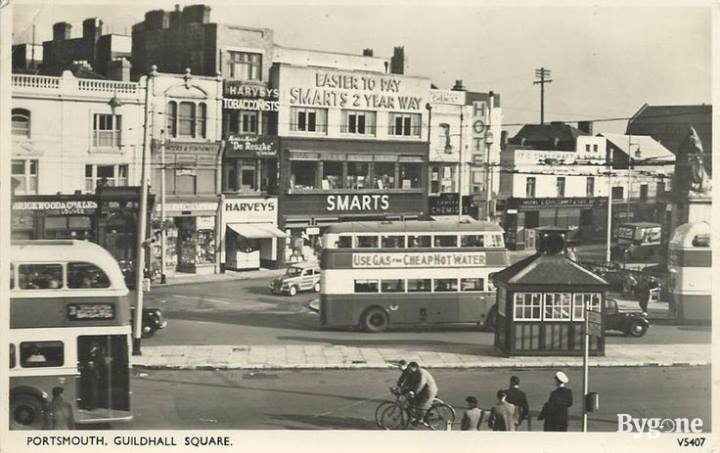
<point>254,357</point>
<point>181,278</point>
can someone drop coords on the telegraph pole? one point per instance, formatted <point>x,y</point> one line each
<point>544,76</point>
<point>163,232</point>
<point>460,171</point>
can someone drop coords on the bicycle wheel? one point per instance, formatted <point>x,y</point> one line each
<point>380,409</point>
<point>393,417</point>
<point>439,416</point>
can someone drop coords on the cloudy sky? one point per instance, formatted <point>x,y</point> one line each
<point>606,61</point>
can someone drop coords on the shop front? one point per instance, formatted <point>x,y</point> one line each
<point>584,217</point>
<point>250,164</point>
<point>248,233</point>
<point>446,206</point>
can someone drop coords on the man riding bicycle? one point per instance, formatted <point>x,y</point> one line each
<point>423,390</point>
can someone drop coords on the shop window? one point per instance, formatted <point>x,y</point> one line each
<point>472,240</point>
<point>410,175</point>
<point>419,285</point>
<point>21,122</point>
<point>303,174</point>
<point>195,241</point>
<point>392,286</point>
<point>393,242</point>
<point>590,186</point>
<point>419,241</point>
<point>40,276</point>
<point>384,175</point>
<point>358,175</point>
<point>582,300</point>
<point>24,174</point>
<point>308,120</point>
<point>445,285</point>
<point>527,307</point>
<point>245,65</point>
<point>557,306</point>
<point>86,275</point>
<point>365,242</point>
<point>105,175</point>
<point>618,193</point>
<point>357,122</point>
<point>35,354</point>
<point>106,130</point>
<point>445,240</point>
<point>472,284</point>
<point>560,184</point>
<point>404,125</point>
<point>344,242</point>
<point>332,175</point>
<point>366,286</point>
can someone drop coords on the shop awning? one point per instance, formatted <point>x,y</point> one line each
<point>256,230</point>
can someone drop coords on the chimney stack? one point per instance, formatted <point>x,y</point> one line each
<point>367,52</point>
<point>586,126</point>
<point>458,86</point>
<point>61,31</point>
<point>92,28</point>
<point>397,62</point>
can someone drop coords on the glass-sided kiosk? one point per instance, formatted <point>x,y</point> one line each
<point>541,301</point>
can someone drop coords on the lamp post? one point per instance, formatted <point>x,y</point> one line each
<point>163,232</point>
<point>460,171</point>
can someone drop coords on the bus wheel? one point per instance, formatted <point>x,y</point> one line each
<point>27,412</point>
<point>375,320</point>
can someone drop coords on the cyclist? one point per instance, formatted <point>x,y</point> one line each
<point>404,380</point>
<point>425,390</point>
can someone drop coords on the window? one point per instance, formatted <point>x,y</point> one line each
<point>496,241</point>
<point>384,175</point>
<point>643,192</point>
<point>392,286</point>
<point>560,183</point>
<point>40,276</point>
<point>303,174</point>
<point>587,148</point>
<point>404,125</point>
<point>410,175</point>
<point>445,240</point>
<point>527,307</point>
<point>356,122</point>
<point>35,354</point>
<point>367,242</point>
<point>595,148</point>
<point>245,66</point>
<point>202,120</point>
<point>472,240</point>
<point>618,193</point>
<point>530,187</point>
<point>582,300</point>
<point>186,119</point>
<point>557,306</point>
<point>472,284</point>
<point>24,174</point>
<point>445,285</point>
<point>248,122</point>
<point>86,275</point>
<point>171,119</point>
<point>106,130</point>
<point>106,175</point>
<point>418,285</point>
<point>366,286</point>
<point>358,175</point>
<point>418,241</point>
<point>308,120</point>
<point>21,122</point>
<point>660,188</point>
<point>392,242</point>
<point>344,242</point>
<point>590,186</point>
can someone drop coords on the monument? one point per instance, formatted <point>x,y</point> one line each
<point>691,185</point>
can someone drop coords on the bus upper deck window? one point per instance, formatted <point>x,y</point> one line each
<point>40,276</point>
<point>445,240</point>
<point>86,275</point>
<point>367,242</point>
<point>393,242</point>
<point>496,241</point>
<point>418,241</point>
<point>472,240</point>
<point>344,242</point>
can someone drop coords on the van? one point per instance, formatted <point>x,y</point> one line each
<point>298,277</point>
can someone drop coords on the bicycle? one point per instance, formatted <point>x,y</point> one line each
<point>398,414</point>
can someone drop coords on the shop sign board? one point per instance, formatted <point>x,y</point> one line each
<point>188,207</point>
<point>251,146</point>
<point>577,201</point>
<point>240,95</point>
<point>357,203</point>
<point>57,206</point>
<point>250,210</point>
<point>173,147</point>
<point>447,204</point>
<point>447,97</point>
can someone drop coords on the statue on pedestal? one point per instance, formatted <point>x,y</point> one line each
<point>690,179</point>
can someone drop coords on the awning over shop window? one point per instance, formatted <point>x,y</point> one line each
<point>256,230</point>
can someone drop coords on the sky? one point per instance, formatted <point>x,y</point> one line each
<point>605,61</point>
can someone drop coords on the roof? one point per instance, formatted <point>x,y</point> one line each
<point>554,135</point>
<point>661,113</point>
<point>548,270</point>
<point>648,146</point>
<point>414,226</point>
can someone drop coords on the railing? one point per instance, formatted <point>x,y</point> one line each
<point>109,86</point>
<point>74,84</point>
<point>35,81</point>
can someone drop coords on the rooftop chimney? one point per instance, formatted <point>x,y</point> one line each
<point>61,31</point>
<point>458,86</point>
<point>397,62</point>
<point>367,52</point>
<point>586,126</point>
<point>92,28</point>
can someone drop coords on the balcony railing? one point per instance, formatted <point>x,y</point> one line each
<point>108,86</point>
<point>106,139</point>
<point>35,81</point>
<point>71,84</point>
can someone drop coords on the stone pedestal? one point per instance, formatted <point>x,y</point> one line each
<point>691,210</point>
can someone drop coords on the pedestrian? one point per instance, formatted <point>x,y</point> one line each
<point>643,293</point>
<point>503,416</point>
<point>555,410</point>
<point>519,399</point>
<point>572,254</point>
<point>473,416</point>
<point>61,414</point>
<point>424,388</point>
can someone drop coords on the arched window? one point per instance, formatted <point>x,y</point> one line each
<point>21,122</point>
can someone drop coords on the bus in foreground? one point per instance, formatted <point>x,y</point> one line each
<point>69,329</point>
<point>377,274</point>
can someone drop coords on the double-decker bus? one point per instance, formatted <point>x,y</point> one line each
<point>374,274</point>
<point>69,329</point>
<point>690,271</point>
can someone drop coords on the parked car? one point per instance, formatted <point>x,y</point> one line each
<point>298,277</point>
<point>152,321</point>
<point>630,322</point>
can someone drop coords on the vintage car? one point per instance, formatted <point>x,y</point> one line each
<point>152,321</point>
<point>630,322</point>
<point>298,277</point>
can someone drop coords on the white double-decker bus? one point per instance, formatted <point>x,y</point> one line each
<point>374,274</point>
<point>690,271</point>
